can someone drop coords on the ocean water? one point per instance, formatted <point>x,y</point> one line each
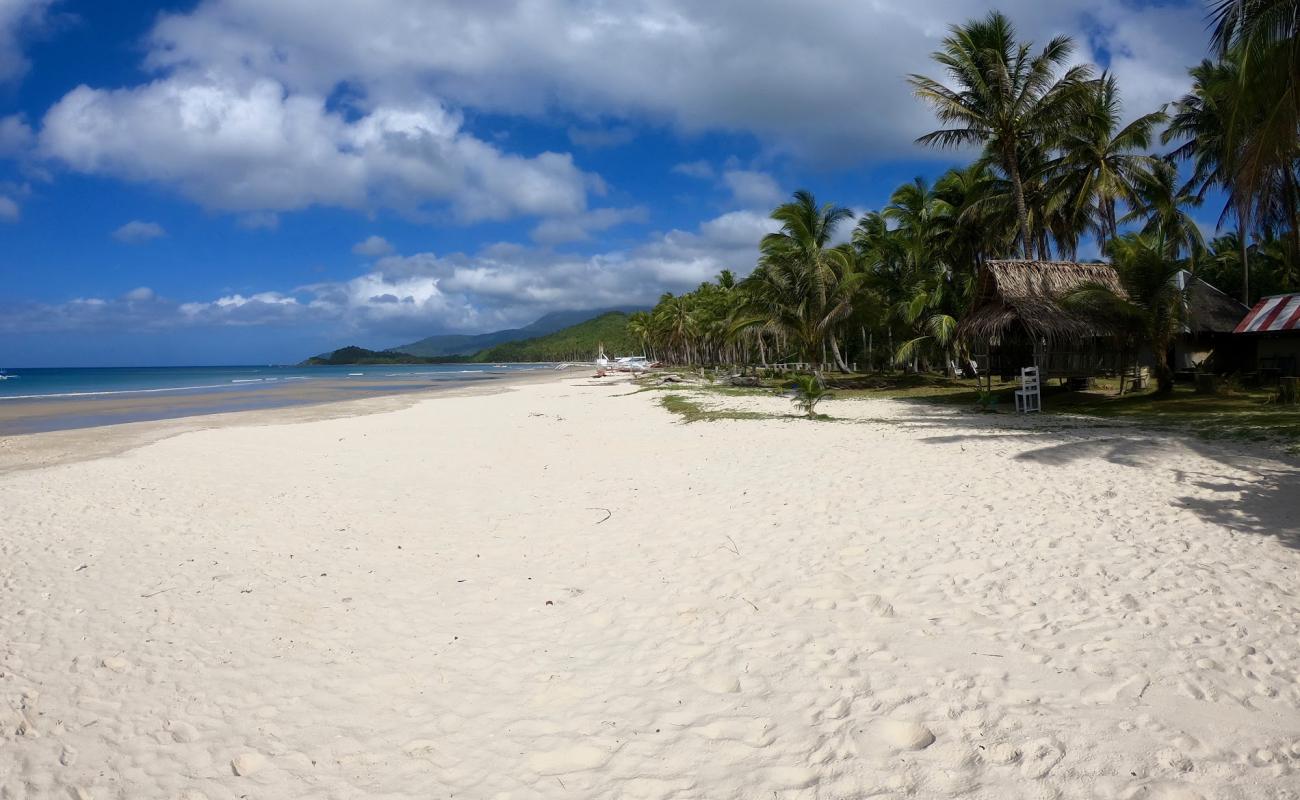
<point>90,382</point>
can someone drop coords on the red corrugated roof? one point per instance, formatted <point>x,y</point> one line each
<point>1278,313</point>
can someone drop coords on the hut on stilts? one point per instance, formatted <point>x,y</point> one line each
<point>1017,320</point>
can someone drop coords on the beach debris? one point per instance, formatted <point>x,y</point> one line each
<point>246,764</point>
<point>115,663</point>
<point>608,513</point>
<point>80,568</point>
<point>550,602</point>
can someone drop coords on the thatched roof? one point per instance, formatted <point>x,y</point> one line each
<point>1025,295</point>
<point>1208,309</point>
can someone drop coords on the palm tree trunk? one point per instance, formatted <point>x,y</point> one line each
<point>839,359</point>
<point>1018,189</point>
<point>1245,264</point>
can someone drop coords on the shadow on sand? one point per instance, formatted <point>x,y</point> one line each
<point>1257,492</point>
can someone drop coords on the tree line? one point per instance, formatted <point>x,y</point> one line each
<point>1058,164</point>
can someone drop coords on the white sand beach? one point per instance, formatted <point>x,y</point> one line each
<point>560,591</point>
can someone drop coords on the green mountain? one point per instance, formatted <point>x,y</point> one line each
<point>462,344</point>
<point>575,343</point>
<point>360,355</point>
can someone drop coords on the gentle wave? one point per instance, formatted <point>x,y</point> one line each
<point>114,391</point>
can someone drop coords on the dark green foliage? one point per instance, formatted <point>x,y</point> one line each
<point>360,355</point>
<point>579,342</point>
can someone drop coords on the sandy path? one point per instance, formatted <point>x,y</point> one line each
<point>433,602</point>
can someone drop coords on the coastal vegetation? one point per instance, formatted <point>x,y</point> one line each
<point>576,342</point>
<point>1062,166</point>
<point>360,355</point>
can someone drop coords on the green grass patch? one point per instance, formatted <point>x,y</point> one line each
<point>1243,415</point>
<point>1247,415</point>
<point>691,410</point>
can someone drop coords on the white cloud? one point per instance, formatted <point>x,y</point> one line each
<point>16,17</point>
<point>372,246</point>
<point>253,146</point>
<point>137,232</point>
<point>401,297</point>
<point>695,169</point>
<point>15,136</point>
<point>9,210</point>
<point>259,221</point>
<point>752,188</point>
<point>825,79</point>
<point>579,228</point>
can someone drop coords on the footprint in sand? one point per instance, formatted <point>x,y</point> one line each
<point>246,764</point>
<point>891,735</point>
<point>1040,756</point>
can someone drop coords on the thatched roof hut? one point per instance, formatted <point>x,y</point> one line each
<point>1208,310</point>
<point>1019,298</point>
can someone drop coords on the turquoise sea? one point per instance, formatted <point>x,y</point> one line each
<point>34,400</point>
<point>52,383</point>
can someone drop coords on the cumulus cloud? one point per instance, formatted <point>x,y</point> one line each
<point>9,209</point>
<point>137,232</point>
<point>695,169</point>
<point>15,136</point>
<point>407,296</point>
<point>751,188</point>
<point>825,79</point>
<point>253,146</point>
<point>372,246</point>
<point>579,228</point>
<point>17,17</point>
<point>259,221</point>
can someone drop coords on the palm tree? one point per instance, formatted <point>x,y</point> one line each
<point>1263,38</point>
<point>808,392</point>
<point>1203,121</point>
<point>641,326</point>
<point>674,313</point>
<point>1101,163</point>
<point>1152,307</point>
<point>1007,98</point>
<point>1161,206</point>
<point>805,286</point>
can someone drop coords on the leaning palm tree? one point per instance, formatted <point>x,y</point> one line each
<point>1152,307</point>
<point>1004,97</point>
<point>804,285</point>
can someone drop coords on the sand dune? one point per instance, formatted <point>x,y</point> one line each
<point>559,591</point>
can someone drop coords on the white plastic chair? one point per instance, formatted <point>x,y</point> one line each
<point>1029,396</point>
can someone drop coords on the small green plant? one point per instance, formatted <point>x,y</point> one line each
<point>808,392</point>
<point>987,402</point>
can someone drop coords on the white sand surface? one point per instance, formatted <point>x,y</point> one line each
<point>560,591</point>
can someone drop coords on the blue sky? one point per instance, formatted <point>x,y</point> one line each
<point>237,181</point>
